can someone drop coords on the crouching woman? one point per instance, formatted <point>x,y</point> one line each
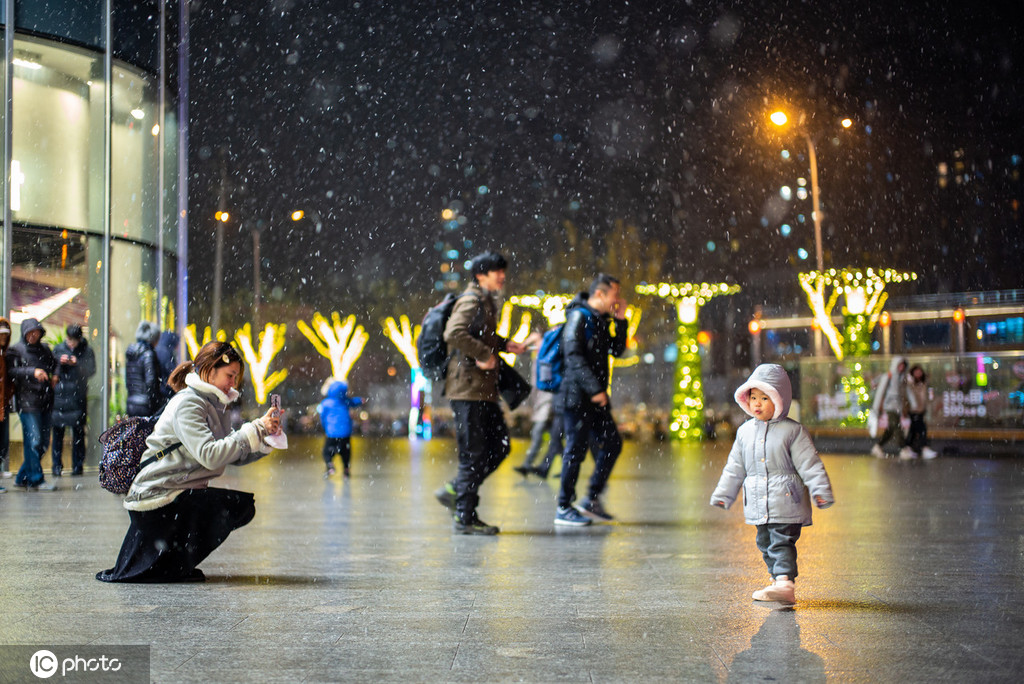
<point>177,519</point>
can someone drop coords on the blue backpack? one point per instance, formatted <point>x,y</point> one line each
<point>550,362</point>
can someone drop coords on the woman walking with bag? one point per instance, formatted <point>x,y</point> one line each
<point>177,520</point>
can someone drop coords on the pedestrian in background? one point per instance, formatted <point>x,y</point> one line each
<point>33,369</point>
<point>774,462</point>
<point>167,355</point>
<point>472,389</point>
<point>6,394</point>
<point>587,341</point>
<point>917,398</point>
<point>143,380</point>
<point>891,400</point>
<point>177,519</point>
<point>336,418</point>
<point>75,365</point>
<point>542,416</point>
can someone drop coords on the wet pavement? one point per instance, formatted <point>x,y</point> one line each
<point>916,574</point>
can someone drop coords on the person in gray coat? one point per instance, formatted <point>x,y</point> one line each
<point>776,465</point>
<point>177,519</point>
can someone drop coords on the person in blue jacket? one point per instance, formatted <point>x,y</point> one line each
<point>337,422</point>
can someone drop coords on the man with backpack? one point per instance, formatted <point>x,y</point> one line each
<point>471,385</point>
<point>583,394</point>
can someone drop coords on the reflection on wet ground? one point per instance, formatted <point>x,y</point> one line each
<point>915,575</point>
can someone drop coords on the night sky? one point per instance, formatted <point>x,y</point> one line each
<point>539,121</point>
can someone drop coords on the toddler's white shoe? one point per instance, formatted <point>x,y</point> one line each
<point>907,454</point>
<point>782,590</point>
<point>877,452</point>
<point>929,453</point>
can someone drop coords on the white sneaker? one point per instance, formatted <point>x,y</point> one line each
<point>7,474</point>
<point>877,452</point>
<point>907,454</point>
<point>782,590</point>
<point>928,453</point>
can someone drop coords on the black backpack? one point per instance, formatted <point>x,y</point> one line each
<point>431,348</point>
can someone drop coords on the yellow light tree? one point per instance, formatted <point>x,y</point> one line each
<point>193,343</point>
<point>403,335</point>
<point>865,297</point>
<point>688,391</point>
<point>552,307</point>
<point>271,341</point>
<point>341,342</point>
<point>505,325</point>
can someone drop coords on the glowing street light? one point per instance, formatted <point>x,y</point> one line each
<point>298,215</point>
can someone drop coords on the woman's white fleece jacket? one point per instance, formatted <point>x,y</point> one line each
<point>197,418</point>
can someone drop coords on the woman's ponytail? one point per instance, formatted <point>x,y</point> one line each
<point>177,377</point>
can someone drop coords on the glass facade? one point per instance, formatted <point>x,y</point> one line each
<point>94,202</point>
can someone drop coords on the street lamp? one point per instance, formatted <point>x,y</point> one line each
<point>221,218</point>
<point>780,119</point>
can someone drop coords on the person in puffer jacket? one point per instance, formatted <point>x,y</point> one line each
<point>776,465</point>
<point>176,518</point>
<point>337,422</point>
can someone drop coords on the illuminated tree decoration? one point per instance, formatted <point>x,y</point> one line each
<point>194,344</point>
<point>552,306</point>
<point>271,341</point>
<point>688,394</point>
<point>340,341</point>
<point>865,297</point>
<point>404,335</point>
<point>505,325</point>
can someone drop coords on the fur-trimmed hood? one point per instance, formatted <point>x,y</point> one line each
<point>773,380</point>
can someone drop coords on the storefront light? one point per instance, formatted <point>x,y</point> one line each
<point>139,114</point>
<point>26,63</point>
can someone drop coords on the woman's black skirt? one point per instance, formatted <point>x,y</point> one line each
<point>166,544</point>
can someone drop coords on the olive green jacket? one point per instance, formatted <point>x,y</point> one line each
<point>472,334</point>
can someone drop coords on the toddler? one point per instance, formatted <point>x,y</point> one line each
<point>337,422</point>
<point>775,463</point>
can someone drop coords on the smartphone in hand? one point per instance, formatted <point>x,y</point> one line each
<point>275,403</point>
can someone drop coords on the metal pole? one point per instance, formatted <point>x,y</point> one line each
<point>160,218</point>
<point>816,200</point>
<point>218,253</point>
<point>8,253</point>
<point>182,318</point>
<point>816,217</point>
<point>108,109</point>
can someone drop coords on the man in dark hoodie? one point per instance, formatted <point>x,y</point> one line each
<point>142,373</point>
<point>33,368</point>
<point>76,364</point>
<point>587,412</point>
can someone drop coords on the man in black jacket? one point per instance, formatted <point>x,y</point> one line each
<point>142,372</point>
<point>586,343</point>
<point>32,369</point>
<point>76,364</point>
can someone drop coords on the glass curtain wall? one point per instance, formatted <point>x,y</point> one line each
<point>93,237</point>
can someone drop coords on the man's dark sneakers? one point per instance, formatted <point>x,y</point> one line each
<point>592,507</point>
<point>523,470</point>
<point>571,517</point>
<point>473,525</point>
<point>446,495</point>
